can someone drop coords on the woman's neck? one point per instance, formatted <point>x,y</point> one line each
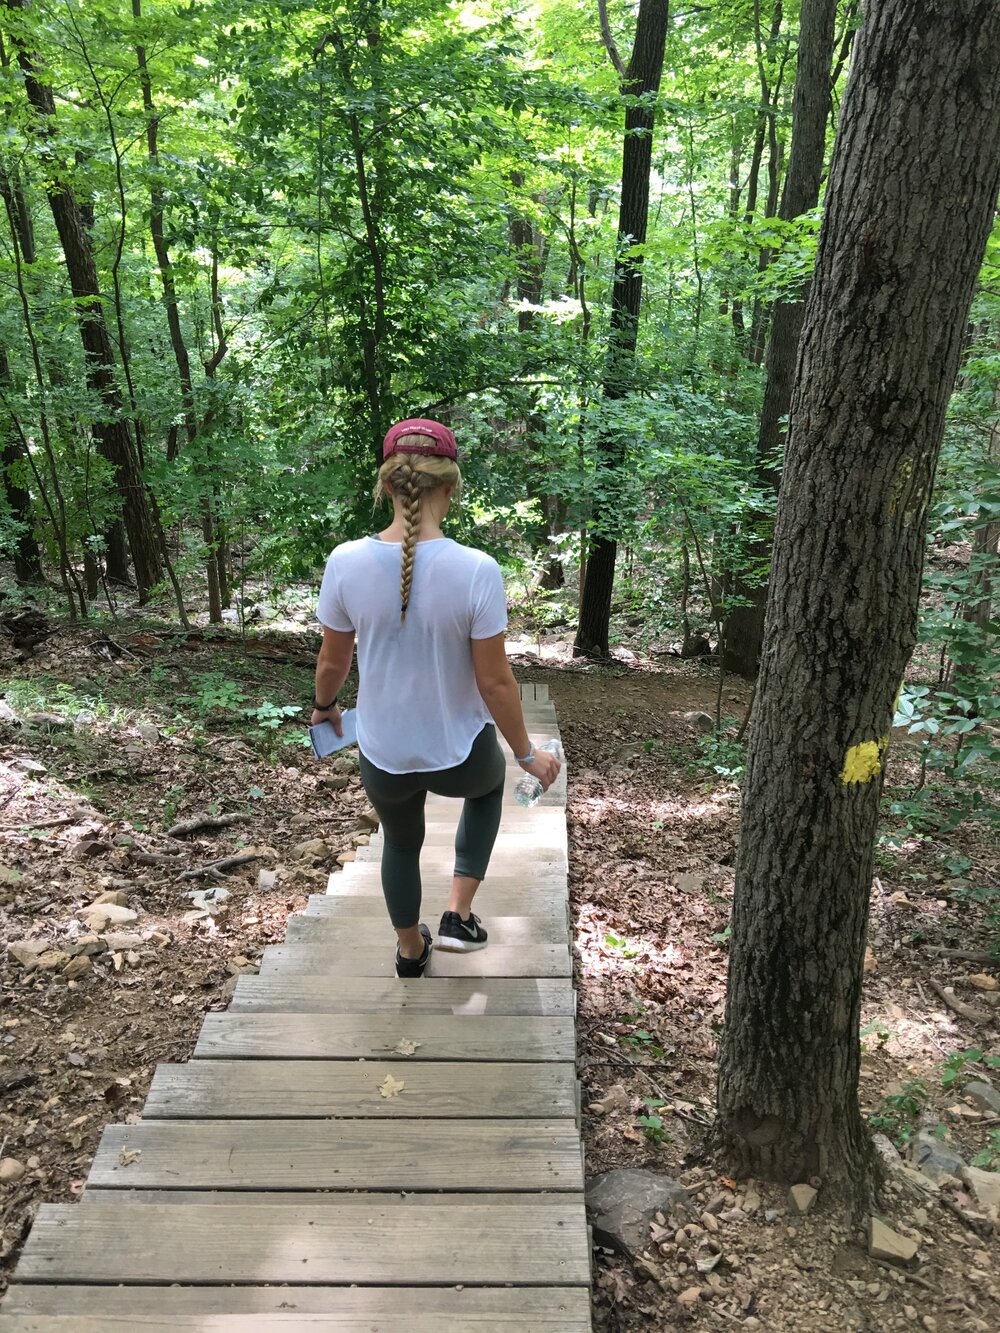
<point>429,529</point>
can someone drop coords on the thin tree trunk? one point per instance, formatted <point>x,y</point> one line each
<point>642,76</point>
<point>810,112</point>
<point>112,433</point>
<point>895,274</point>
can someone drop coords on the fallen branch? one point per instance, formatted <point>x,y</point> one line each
<point>982,1226</point>
<point>41,823</point>
<point>154,858</point>
<point>964,955</point>
<point>902,1272</point>
<point>203,821</point>
<point>958,1006</point>
<point>215,868</point>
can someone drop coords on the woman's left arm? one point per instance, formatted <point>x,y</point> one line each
<point>332,666</point>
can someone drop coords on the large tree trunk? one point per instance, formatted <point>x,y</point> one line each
<point>810,113</point>
<point>112,433</point>
<point>642,76</point>
<point>909,207</point>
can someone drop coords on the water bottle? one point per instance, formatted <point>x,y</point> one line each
<point>529,790</point>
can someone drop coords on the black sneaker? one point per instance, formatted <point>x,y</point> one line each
<point>415,967</point>
<point>461,936</point>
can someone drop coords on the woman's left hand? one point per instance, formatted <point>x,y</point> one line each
<point>327,715</point>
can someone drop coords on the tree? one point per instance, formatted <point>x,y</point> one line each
<point>111,433</point>
<point>640,83</point>
<point>909,206</point>
<point>810,113</point>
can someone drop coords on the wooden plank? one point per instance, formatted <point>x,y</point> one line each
<point>278,993</point>
<point>258,1309</point>
<point>373,1036</point>
<point>347,908</point>
<point>364,880</point>
<point>505,932</point>
<point>231,1089</point>
<point>528,1245</point>
<point>316,960</point>
<point>359,1199</point>
<point>474,1155</point>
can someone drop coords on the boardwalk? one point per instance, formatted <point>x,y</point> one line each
<point>346,1150</point>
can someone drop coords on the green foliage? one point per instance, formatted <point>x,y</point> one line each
<point>955,1068</point>
<point>988,1158</point>
<point>897,1114</point>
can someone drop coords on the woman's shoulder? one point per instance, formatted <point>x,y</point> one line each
<point>471,556</point>
<point>351,550</point>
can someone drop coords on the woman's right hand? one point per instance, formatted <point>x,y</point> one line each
<point>545,767</point>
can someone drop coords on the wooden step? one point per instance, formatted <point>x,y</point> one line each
<point>283,1089</point>
<point>523,1245</point>
<point>495,902</point>
<point>377,932</point>
<point>76,1309</point>
<point>358,1199</point>
<point>544,997</point>
<point>474,1155</point>
<point>365,879</point>
<point>474,1037</point>
<point>316,960</point>
<point>439,856</point>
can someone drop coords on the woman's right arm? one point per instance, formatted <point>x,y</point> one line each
<point>500,694</point>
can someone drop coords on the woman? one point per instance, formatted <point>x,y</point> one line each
<point>429,616</point>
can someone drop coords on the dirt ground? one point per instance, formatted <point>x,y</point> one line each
<point>147,732</point>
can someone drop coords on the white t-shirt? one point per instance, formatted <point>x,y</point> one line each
<point>419,708</point>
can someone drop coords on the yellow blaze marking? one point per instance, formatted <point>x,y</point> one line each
<point>864,761</point>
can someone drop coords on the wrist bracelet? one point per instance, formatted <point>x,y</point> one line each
<point>528,757</point>
<point>323,708</point>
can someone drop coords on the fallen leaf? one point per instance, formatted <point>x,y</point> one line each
<point>405,1046</point>
<point>390,1087</point>
<point>129,1155</point>
<point>632,1134</point>
<point>615,1099</point>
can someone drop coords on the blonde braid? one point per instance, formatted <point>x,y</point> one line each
<point>407,488</point>
<point>408,476</point>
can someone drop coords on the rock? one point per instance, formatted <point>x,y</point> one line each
<point>359,840</point>
<point>623,1203</point>
<point>313,849</point>
<point>98,916</point>
<point>302,820</point>
<point>345,858</point>
<point>801,1198</point>
<point>884,1243</point>
<point>771,1215</point>
<point>703,722</point>
<point>86,946</point>
<point>368,819</point>
<point>11,1171</point>
<point>117,896</point>
<point>92,847</point>
<point>266,880</point>
<point>871,962</point>
<point>983,981</point>
<point>343,764</point>
<point>626,753</point>
<point>27,952</point>
<point>334,782</point>
<point>934,1158</point>
<point>48,721</point>
<point>690,1296</point>
<point>888,1151</point>
<point>148,733</point>
<point>77,967</point>
<point>751,1202</point>
<point>985,1185</point>
<point>983,1095</point>
<point>51,960</point>
<point>24,764</point>
<point>7,715</point>
<point>690,882</point>
<point>122,941</point>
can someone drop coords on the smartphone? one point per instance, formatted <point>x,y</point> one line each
<point>326,741</point>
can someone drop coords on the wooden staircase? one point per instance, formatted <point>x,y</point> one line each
<point>346,1150</point>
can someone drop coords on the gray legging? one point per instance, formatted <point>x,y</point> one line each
<point>399,799</point>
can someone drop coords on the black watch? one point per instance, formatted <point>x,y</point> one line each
<point>323,708</point>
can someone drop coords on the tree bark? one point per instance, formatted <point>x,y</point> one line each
<point>908,211</point>
<point>26,552</point>
<point>112,433</point>
<point>642,76</point>
<point>810,113</point>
